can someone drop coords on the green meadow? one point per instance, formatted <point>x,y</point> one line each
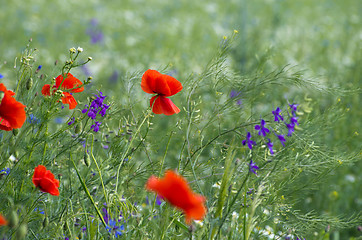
<point>238,61</point>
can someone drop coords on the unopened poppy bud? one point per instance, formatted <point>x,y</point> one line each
<point>13,219</point>
<point>29,83</point>
<point>45,222</point>
<point>22,230</point>
<point>2,94</point>
<point>15,131</point>
<point>78,128</point>
<point>86,159</point>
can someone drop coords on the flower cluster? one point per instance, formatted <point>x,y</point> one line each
<point>264,131</point>
<point>67,86</point>
<point>97,107</point>
<point>12,112</point>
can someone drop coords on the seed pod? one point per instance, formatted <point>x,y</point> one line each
<point>13,219</point>
<point>45,222</point>
<point>86,159</point>
<point>78,128</point>
<point>21,233</point>
<point>29,83</point>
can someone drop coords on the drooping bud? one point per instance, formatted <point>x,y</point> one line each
<point>45,222</point>
<point>21,233</point>
<point>86,159</point>
<point>29,83</point>
<point>78,128</point>
<point>13,219</point>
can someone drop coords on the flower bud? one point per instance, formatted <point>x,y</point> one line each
<point>2,94</point>
<point>90,58</point>
<point>86,159</point>
<point>45,222</point>
<point>15,131</point>
<point>22,230</point>
<point>78,128</point>
<point>29,83</point>
<point>13,219</point>
<point>72,50</point>
<point>79,49</point>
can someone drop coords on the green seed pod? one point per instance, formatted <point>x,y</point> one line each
<point>86,159</point>
<point>21,233</point>
<point>13,219</point>
<point>45,222</point>
<point>29,83</point>
<point>78,128</point>
<point>15,131</point>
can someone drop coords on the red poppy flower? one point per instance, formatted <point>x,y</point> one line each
<point>69,85</point>
<point>3,221</point>
<point>70,82</point>
<point>45,181</point>
<point>175,189</point>
<point>164,86</point>
<point>12,112</point>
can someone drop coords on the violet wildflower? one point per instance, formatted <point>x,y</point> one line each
<point>290,127</point>
<point>270,146</point>
<point>294,108</point>
<point>96,107</point>
<point>281,139</point>
<point>239,102</point>
<point>72,120</point>
<point>262,129</point>
<point>95,126</point>
<point>277,115</point>
<point>294,120</point>
<point>253,167</point>
<point>249,141</point>
<point>95,34</point>
<point>106,215</point>
<point>113,228</point>
<point>234,94</point>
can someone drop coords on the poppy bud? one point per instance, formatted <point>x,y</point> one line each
<point>13,219</point>
<point>78,128</point>
<point>86,159</point>
<point>29,83</point>
<point>15,131</point>
<point>21,233</point>
<point>2,94</point>
<point>45,222</point>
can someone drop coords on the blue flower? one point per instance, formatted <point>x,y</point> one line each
<point>262,129</point>
<point>253,167</point>
<point>5,171</point>
<point>249,141</point>
<point>113,228</point>
<point>290,127</point>
<point>277,115</point>
<point>1,76</point>
<point>33,119</point>
<point>39,67</point>
<point>270,146</point>
<point>96,107</point>
<point>293,107</point>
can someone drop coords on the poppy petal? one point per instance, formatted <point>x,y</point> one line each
<point>174,85</point>
<point>3,221</point>
<point>45,181</point>
<point>46,90</point>
<point>154,82</point>
<point>69,99</point>
<point>12,112</point>
<point>70,82</point>
<point>163,105</point>
<point>175,190</point>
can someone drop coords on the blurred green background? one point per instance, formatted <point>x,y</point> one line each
<point>322,38</point>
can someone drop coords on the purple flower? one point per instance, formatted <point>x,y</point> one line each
<point>106,215</point>
<point>249,141</point>
<point>253,167</point>
<point>72,120</point>
<point>290,128</point>
<point>1,76</point>
<point>95,34</point>
<point>234,94</point>
<point>277,115</point>
<point>39,67</point>
<point>95,126</point>
<point>293,107</point>
<point>239,102</point>
<point>270,146</point>
<point>294,120</point>
<point>262,129</point>
<point>281,139</point>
